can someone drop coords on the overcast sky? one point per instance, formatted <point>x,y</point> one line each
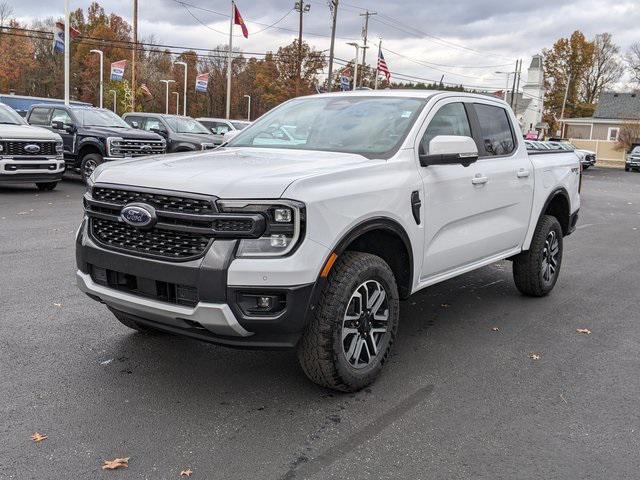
<point>487,34</point>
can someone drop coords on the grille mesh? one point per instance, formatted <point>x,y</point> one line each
<point>162,243</point>
<point>17,148</point>
<point>160,201</point>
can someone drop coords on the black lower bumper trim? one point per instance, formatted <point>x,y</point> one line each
<point>31,178</point>
<point>573,220</point>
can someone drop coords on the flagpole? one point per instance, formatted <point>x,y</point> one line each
<point>375,86</point>
<point>233,13</point>
<point>66,52</point>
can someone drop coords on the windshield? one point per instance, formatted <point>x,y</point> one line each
<point>9,116</point>
<point>96,117</point>
<point>186,125</point>
<point>371,126</point>
<point>239,125</point>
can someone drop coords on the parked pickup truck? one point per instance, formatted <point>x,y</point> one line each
<point>93,136</point>
<point>311,245</point>
<point>28,154</point>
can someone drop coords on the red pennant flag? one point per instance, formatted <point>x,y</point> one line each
<point>239,21</point>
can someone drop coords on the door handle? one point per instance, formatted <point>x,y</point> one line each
<point>479,179</point>
<point>522,173</point>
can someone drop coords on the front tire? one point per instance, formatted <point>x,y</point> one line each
<point>46,186</point>
<point>350,334</point>
<point>88,164</point>
<point>536,270</point>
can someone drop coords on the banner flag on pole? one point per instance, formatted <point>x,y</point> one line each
<point>202,82</point>
<point>58,36</point>
<point>239,21</point>
<point>117,70</point>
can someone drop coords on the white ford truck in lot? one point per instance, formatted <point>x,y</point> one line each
<point>312,244</point>
<point>28,154</point>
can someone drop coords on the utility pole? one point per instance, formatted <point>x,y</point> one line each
<point>302,8</point>
<point>513,89</point>
<point>334,5</point>
<point>133,55</point>
<point>67,46</point>
<point>365,32</point>
<point>564,103</point>
<point>515,105</point>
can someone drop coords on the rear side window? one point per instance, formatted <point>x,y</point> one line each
<point>39,116</point>
<point>495,130</point>
<point>451,119</point>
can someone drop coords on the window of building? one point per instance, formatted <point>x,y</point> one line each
<point>612,134</point>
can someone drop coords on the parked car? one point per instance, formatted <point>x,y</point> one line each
<point>182,134</point>
<point>93,136</point>
<point>587,157</point>
<point>28,154</point>
<point>311,245</point>
<point>220,126</point>
<point>22,103</point>
<point>633,159</point>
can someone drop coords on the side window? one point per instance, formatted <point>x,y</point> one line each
<point>131,120</point>
<point>220,128</point>
<point>495,130</point>
<point>60,115</point>
<point>40,116</point>
<point>451,119</point>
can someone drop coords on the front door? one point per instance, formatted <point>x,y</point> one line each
<point>68,138</point>
<point>470,211</point>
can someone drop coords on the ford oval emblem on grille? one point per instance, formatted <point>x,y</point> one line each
<point>32,148</point>
<point>139,215</point>
<point>145,148</point>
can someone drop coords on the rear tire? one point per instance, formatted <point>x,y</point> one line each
<point>127,321</point>
<point>46,186</point>
<point>88,164</point>
<point>536,270</point>
<point>350,334</point>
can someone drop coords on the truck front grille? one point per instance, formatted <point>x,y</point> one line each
<point>17,148</point>
<point>140,148</point>
<point>161,201</point>
<point>156,242</point>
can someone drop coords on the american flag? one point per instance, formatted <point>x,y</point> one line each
<point>382,66</point>
<point>146,90</point>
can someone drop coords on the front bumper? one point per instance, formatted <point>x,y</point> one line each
<point>632,163</point>
<point>16,170</point>
<point>217,316</point>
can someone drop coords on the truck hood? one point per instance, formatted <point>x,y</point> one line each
<point>227,172</point>
<point>128,133</point>
<point>26,132</point>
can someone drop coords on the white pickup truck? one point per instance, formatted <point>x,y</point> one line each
<point>28,154</point>
<point>312,244</point>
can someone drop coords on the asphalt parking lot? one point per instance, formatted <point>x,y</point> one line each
<point>457,399</point>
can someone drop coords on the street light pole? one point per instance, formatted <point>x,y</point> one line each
<point>506,89</point>
<point>177,102</point>
<point>184,93</point>
<point>166,97</point>
<point>248,97</point>
<point>67,46</point>
<point>115,108</point>
<point>101,53</point>
<point>357,61</point>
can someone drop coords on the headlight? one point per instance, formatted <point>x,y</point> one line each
<point>114,147</point>
<point>59,148</point>
<point>90,182</point>
<point>284,226</point>
<point>1,147</point>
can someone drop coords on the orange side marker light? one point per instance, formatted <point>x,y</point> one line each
<point>327,266</point>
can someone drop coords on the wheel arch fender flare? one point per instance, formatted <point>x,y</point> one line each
<point>92,142</point>
<point>555,193</point>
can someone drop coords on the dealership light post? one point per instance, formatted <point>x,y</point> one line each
<point>114,100</point>
<point>248,97</point>
<point>66,52</point>
<point>184,93</point>
<point>166,96</point>
<point>101,53</point>
<point>355,67</point>
<point>506,89</point>
<point>177,101</point>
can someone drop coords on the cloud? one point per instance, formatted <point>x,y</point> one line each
<point>468,33</point>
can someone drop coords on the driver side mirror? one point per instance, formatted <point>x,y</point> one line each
<point>450,150</point>
<point>67,127</point>
<point>135,124</point>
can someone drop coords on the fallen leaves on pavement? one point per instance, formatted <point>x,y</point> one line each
<point>586,331</point>
<point>445,305</point>
<point>535,356</point>
<point>116,463</point>
<point>186,473</point>
<point>59,305</point>
<point>38,437</point>
<point>495,329</point>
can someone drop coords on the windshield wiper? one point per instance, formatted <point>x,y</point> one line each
<point>11,123</point>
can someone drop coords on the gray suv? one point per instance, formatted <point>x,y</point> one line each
<point>183,134</point>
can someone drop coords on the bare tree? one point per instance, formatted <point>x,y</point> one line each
<point>605,70</point>
<point>633,61</point>
<point>6,13</point>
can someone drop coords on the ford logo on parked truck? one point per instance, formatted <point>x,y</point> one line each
<point>32,148</point>
<point>138,215</point>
